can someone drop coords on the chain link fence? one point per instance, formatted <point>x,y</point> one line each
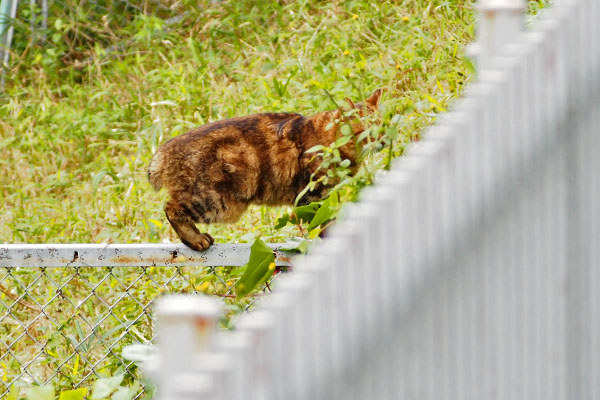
<point>69,29</point>
<point>37,18</point>
<point>68,324</point>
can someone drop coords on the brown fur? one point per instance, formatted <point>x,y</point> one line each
<point>214,172</point>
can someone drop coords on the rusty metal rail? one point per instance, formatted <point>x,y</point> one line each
<point>127,255</point>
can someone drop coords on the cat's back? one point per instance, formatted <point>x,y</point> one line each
<point>248,140</point>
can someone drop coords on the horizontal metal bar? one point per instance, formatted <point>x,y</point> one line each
<point>128,255</point>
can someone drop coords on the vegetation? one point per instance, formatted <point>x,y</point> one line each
<point>88,100</point>
<point>80,123</point>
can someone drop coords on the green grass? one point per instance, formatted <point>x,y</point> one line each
<point>77,139</point>
<point>79,122</point>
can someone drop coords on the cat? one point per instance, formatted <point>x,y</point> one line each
<point>214,172</point>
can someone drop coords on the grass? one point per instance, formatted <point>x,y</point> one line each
<point>83,112</point>
<point>77,138</point>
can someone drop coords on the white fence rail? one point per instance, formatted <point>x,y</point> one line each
<point>127,255</point>
<point>469,271</point>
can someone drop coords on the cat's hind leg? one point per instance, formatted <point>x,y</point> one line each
<point>183,217</point>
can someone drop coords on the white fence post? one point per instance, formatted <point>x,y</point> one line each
<point>186,325</point>
<point>499,23</point>
<point>259,326</point>
<point>237,344</point>
<point>470,270</point>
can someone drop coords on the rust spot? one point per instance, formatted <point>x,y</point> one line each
<point>124,260</point>
<point>140,260</point>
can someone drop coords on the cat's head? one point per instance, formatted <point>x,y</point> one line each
<point>328,126</point>
<point>355,114</point>
<point>370,105</point>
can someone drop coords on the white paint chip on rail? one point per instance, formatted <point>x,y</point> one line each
<point>128,255</point>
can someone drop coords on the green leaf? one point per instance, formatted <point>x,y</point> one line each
<point>259,268</point>
<point>315,148</point>
<point>303,246</point>
<point>346,130</point>
<point>282,221</point>
<point>75,394</point>
<point>40,392</point>
<point>125,324</point>
<point>103,387</point>
<point>126,393</point>
<point>334,199</point>
<point>342,140</point>
<point>311,185</point>
<point>345,163</point>
<point>323,214</point>
<point>295,245</point>
<point>299,245</point>
<point>307,212</point>
<point>365,134</point>
<point>190,43</point>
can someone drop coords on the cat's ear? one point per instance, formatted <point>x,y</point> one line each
<point>291,127</point>
<point>337,114</point>
<point>373,100</point>
<point>350,102</point>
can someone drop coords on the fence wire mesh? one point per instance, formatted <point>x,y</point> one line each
<point>38,15</point>
<point>76,27</point>
<point>68,325</point>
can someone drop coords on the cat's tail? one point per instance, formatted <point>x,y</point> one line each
<point>155,170</point>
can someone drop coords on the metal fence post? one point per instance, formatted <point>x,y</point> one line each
<point>8,11</point>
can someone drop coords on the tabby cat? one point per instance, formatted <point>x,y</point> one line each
<point>213,172</point>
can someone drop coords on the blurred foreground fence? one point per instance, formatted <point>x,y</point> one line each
<point>67,310</point>
<point>469,271</point>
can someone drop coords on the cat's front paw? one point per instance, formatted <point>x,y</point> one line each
<point>200,242</point>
